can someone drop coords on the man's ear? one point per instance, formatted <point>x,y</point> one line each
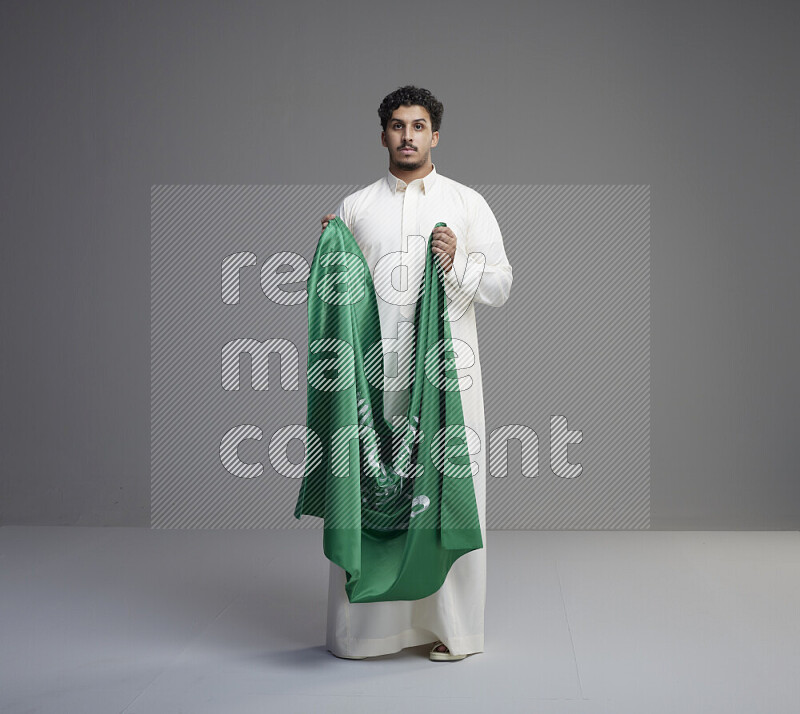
<point>383,139</point>
<point>434,139</point>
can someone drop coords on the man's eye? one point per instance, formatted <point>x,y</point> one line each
<point>419,126</point>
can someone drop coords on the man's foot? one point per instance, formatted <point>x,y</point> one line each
<point>440,652</point>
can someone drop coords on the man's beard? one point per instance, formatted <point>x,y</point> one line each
<point>410,163</point>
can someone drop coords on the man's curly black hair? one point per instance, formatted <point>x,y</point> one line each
<point>409,96</point>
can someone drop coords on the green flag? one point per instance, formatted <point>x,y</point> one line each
<point>397,498</point>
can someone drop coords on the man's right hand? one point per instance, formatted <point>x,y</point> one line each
<point>326,219</point>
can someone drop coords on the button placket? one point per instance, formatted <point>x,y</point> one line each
<point>410,227</point>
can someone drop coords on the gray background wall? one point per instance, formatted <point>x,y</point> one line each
<point>102,100</point>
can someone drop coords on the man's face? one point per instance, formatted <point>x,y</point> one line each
<point>409,138</point>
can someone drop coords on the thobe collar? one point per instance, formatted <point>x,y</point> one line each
<point>397,184</point>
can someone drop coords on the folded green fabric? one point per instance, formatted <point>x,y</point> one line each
<point>397,498</point>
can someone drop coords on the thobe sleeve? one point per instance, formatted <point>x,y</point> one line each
<point>481,271</point>
<point>343,212</point>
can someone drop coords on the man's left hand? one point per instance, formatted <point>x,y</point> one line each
<point>444,244</point>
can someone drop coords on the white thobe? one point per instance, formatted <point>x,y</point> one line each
<point>384,218</point>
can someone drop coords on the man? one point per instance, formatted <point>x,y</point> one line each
<point>391,221</point>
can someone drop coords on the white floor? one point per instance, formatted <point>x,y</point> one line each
<point>134,620</point>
